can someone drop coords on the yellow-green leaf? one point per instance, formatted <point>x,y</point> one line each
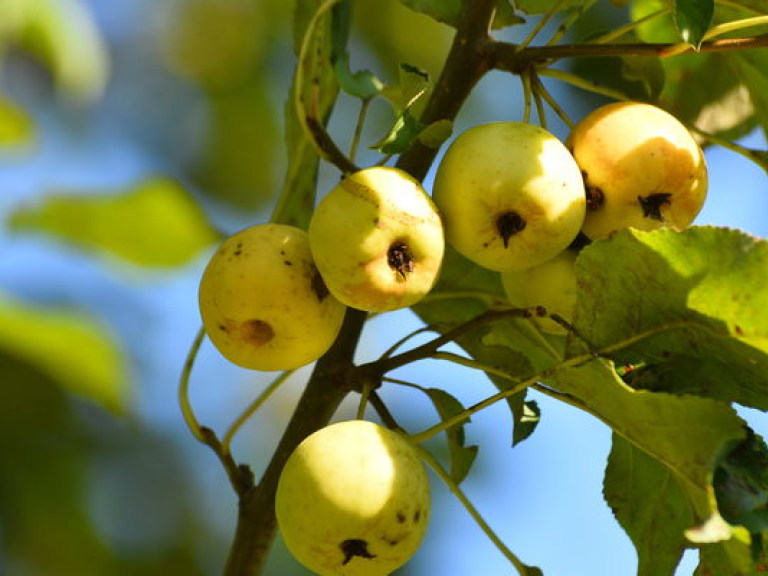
<point>69,348</point>
<point>156,224</point>
<point>16,128</point>
<point>64,35</point>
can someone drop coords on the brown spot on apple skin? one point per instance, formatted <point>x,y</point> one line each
<point>319,288</point>
<point>256,332</point>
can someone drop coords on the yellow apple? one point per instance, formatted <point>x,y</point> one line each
<point>377,240</point>
<point>510,194</point>
<point>551,284</point>
<point>642,168</point>
<point>353,500</point>
<point>264,304</point>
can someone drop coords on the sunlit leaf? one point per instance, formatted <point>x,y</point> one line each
<point>156,224</point>
<point>316,76</point>
<point>68,347</point>
<point>701,304</point>
<point>16,127</point>
<point>693,19</point>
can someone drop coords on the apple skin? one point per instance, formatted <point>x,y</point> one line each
<point>377,239</point>
<point>263,303</point>
<point>353,500</point>
<point>642,168</point>
<point>551,284</point>
<point>509,168</point>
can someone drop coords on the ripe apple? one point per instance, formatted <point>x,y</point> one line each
<point>263,302</point>
<point>642,168</point>
<point>353,500</point>
<point>551,284</point>
<point>510,194</point>
<point>377,240</point>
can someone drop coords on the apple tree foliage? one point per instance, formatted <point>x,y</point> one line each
<point>670,331</point>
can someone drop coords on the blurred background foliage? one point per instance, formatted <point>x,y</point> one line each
<point>133,135</point>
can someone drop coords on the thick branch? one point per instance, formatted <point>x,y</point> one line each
<point>511,58</point>
<point>256,524</point>
<point>468,60</point>
<point>466,63</point>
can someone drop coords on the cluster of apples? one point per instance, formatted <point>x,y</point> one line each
<point>353,498</point>
<point>509,196</point>
<point>516,200</point>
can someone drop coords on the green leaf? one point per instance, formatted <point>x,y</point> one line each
<point>686,434</point>
<point>155,224</point>
<point>401,135</point>
<point>698,299</point>
<point>16,127</point>
<point>449,12</point>
<point>719,93</point>
<point>544,6</point>
<point>693,19</point>
<point>505,15</point>
<point>649,503</point>
<point>461,457</point>
<point>445,11</point>
<point>69,348</point>
<point>65,36</point>
<point>434,135</point>
<point>526,421</point>
<point>741,484</point>
<point>465,290</point>
<point>316,76</point>
<point>362,84</point>
<point>648,71</point>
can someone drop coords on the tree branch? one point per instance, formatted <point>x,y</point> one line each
<point>511,58</point>
<point>467,61</point>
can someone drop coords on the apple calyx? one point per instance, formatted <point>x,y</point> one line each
<point>509,224</point>
<point>652,204</point>
<point>355,547</point>
<point>400,259</point>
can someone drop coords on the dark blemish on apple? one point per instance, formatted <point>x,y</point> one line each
<point>400,517</point>
<point>509,224</point>
<point>652,204</point>
<point>594,194</point>
<point>318,285</point>
<point>355,547</point>
<point>416,516</point>
<point>257,332</point>
<point>287,262</point>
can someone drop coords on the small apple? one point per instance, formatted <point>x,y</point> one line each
<point>510,194</point>
<point>551,284</point>
<point>353,500</point>
<point>377,240</point>
<point>642,168</point>
<point>263,302</point>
